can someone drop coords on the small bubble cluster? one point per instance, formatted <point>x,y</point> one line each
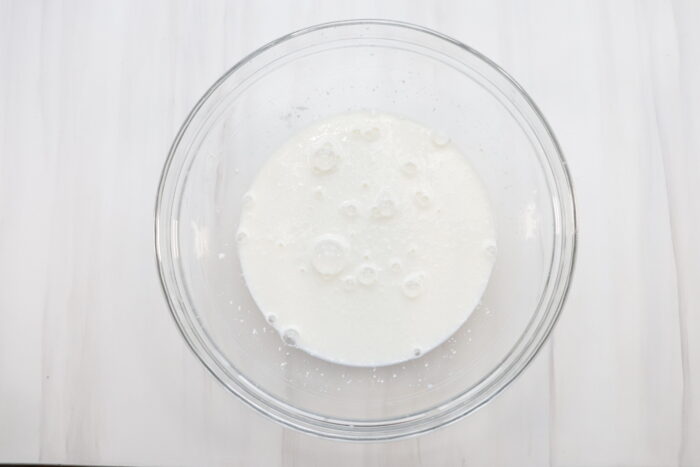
<point>369,135</point>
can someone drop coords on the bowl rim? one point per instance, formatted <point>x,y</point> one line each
<point>434,417</point>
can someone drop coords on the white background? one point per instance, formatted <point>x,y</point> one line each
<point>92,367</point>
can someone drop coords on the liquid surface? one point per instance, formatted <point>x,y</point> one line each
<point>366,239</point>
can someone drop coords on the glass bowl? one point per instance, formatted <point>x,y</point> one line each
<point>325,70</point>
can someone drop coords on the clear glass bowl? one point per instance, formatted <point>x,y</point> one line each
<point>324,70</point>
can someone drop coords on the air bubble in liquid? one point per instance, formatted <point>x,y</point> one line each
<point>422,199</point>
<point>413,284</point>
<point>490,248</point>
<point>372,135</point>
<point>417,352</point>
<point>395,265</point>
<point>324,160</point>
<point>329,254</point>
<point>367,274</point>
<point>248,200</point>
<point>440,138</point>
<point>241,236</point>
<point>271,318</point>
<point>349,209</point>
<point>385,206</point>
<point>349,282</point>
<point>291,337</point>
<point>409,169</point>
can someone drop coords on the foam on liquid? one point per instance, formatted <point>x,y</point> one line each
<point>366,239</point>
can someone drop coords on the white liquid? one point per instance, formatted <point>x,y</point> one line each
<point>367,239</point>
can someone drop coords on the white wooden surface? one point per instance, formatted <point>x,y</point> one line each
<point>92,368</point>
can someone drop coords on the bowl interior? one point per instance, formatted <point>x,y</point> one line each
<point>326,71</point>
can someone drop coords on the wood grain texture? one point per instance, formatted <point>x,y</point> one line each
<point>92,368</point>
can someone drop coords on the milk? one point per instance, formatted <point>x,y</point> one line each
<point>366,239</point>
